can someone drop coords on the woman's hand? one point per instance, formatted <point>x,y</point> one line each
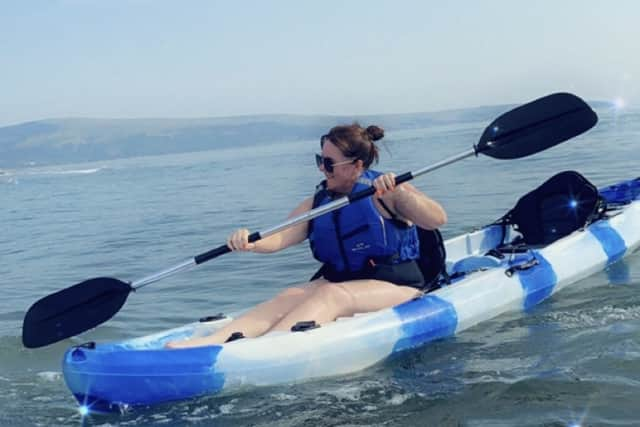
<point>385,183</point>
<point>239,241</point>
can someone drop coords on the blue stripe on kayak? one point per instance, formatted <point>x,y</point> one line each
<point>491,238</point>
<point>425,319</point>
<point>99,378</point>
<point>537,282</point>
<point>612,244</point>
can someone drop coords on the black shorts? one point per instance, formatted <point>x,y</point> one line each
<point>402,274</point>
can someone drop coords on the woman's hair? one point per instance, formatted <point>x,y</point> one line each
<point>355,142</point>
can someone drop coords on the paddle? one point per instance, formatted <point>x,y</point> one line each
<point>525,130</point>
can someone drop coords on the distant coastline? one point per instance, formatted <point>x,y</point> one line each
<point>76,140</point>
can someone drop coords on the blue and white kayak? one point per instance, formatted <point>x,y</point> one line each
<point>108,376</point>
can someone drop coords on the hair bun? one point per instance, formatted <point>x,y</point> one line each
<point>375,132</point>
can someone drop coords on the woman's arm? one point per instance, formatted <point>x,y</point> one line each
<point>238,241</point>
<point>409,203</point>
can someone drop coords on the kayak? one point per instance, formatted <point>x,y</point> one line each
<point>484,283</point>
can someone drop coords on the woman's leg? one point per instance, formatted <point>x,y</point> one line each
<point>332,300</point>
<point>258,320</point>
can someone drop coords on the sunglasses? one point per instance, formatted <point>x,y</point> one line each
<point>327,163</point>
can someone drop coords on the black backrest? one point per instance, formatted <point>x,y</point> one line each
<point>564,203</point>
<point>432,257</point>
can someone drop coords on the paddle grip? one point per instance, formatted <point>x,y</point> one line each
<point>213,253</point>
<point>221,250</point>
<point>254,237</point>
<point>362,194</point>
<point>408,176</point>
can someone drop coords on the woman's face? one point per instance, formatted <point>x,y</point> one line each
<point>345,172</point>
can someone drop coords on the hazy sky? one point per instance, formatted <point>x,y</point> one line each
<point>151,58</point>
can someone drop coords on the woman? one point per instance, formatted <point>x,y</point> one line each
<point>369,248</point>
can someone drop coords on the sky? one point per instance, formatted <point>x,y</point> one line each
<point>179,59</point>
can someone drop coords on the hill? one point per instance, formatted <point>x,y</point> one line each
<point>78,139</point>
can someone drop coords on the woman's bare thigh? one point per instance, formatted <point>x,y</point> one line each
<point>373,295</point>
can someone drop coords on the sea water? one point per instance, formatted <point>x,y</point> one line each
<point>572,360</point>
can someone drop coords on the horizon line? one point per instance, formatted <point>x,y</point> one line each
<point>258,115</point>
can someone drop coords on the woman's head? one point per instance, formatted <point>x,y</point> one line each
<point>346,151</point>
<point>355,142</point>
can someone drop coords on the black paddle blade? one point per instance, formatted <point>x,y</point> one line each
<point>73,310</point>
<point>536,126</point>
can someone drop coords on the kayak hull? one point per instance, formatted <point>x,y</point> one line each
<point>141,372</point>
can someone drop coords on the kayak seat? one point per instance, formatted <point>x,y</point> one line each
<point>622,193</point>
<point>564,203</point>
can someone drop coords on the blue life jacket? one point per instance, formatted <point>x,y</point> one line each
<point>356,235</point>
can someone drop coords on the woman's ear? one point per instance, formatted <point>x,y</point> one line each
<point>359,165</point>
